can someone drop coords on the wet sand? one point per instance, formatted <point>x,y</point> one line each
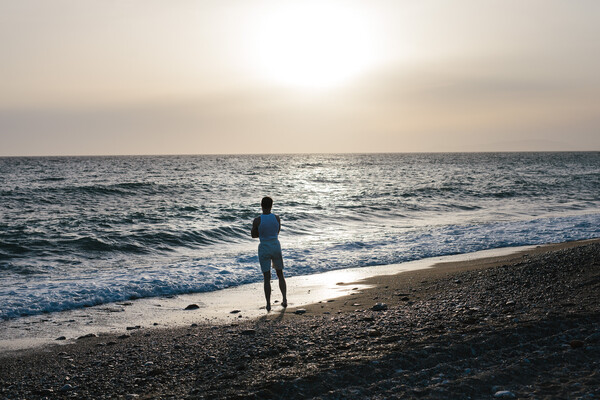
<point>525,325</point>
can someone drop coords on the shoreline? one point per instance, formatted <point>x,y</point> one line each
<point>307,291</point>
<point>444,268</point>
<point>525,325</point>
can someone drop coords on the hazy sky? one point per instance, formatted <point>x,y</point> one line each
<point>276,76</point>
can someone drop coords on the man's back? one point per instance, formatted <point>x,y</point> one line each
<point>266,226</point>
<point>269,227</point>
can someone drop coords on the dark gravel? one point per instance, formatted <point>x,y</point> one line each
<point>526,329</point>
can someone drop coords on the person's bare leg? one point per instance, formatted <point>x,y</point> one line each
<point>267,278</point>
<point>282,286</point>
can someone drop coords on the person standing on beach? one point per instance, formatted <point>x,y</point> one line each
<point>266,227</point>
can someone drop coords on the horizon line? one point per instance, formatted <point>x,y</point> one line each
<point>299,153</point>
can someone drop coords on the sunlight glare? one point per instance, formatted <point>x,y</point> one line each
<point>313,44</point>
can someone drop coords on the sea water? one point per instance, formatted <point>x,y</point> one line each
<point>82,231</point>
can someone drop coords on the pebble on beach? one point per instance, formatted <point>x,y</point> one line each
<point>89,335</point>
<point>66,387</point>
<point>576,344</point>
<point>379,307</point>
<point>504,394</point>
<point>132,328</point>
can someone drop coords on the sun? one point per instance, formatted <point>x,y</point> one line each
<point>312,44</point>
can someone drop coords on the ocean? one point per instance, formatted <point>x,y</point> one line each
<point>83,231</point>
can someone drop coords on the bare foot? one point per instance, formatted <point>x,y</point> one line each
<point>268,307</point>
<point>284,304</point>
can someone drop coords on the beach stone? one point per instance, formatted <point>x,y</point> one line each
<point>576,344</point>
<point>156,372</point>
<point>504,394</point>
<point>379,307</point>
<point>192,307</point>
<point>470,320</point>
<point>235,311</point>
<point>61,338</point>
<point>373,332</point>
<point>89,335</point>
<point>66,387</point>
<point>300,311</point>
<point>124,336</point>
<point>594,337</point>
<point>131,328</point>
<point>114,309</point>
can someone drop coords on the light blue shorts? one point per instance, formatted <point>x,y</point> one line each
<point>269,252</point>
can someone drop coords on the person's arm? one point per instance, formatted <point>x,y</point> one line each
<point>255,225</point>
<point>279,222</point>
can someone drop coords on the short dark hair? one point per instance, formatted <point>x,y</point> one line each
<point>266,203</point>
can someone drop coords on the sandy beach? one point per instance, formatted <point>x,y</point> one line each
<point>523,325</point>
